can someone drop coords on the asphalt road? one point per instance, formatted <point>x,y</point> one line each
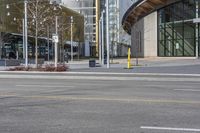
<point>99,103</point>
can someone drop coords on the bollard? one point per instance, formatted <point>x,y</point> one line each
<point>129,59</point>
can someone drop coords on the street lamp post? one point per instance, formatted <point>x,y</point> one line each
<point>197,30</point>
<point>107,34</point>
<point>196,21</point>
<point>26,32</point>
<point>56,43</point>
<point>72,38</point>
<point>102,35</point>
<point>100,42</point>
<point>48,30</point>
<point>24,51</point>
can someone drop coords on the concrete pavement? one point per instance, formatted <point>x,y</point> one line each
<point>146,65</point>
<point>146,62</point>
<point>158,65</point>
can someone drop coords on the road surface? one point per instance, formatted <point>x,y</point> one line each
<point>99,103</point>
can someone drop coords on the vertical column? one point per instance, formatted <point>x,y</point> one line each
<point>100,42</point>
<point>97,27</point>
<point>26,32</point>
<point>48,41</point>
<point>24,47</point>
<point>72,20</point>
<point>118,25</point>
<point>107,34</point>
<point>56,44</point>
<point>102,36</point>
<point>36,35</point>
<point>197,30</point>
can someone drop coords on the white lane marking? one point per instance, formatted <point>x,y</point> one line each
<point>192,90</point>
<point>171,129</point>
<point>45,86</point>
<point>113,99</point>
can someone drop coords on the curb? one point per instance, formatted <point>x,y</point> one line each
<point>100,73</point>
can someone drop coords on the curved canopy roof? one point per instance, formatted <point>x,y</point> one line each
<point>140,9</point>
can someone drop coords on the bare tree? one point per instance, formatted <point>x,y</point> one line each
<point>64,31</point>
<point>78,33</point>
<point>40,12</point>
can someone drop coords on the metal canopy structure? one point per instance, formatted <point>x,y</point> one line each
<point>140,9</point>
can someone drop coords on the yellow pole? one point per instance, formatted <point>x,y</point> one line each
<point>129,58</point>
<point>97,27</point>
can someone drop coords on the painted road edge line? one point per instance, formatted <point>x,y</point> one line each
<point>102,73</point>
<point>82,77</point>
<point>188,90</point>
<point>44,86</point>
<point>171,129</point>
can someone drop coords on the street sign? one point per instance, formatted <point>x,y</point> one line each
<point>55,38</point>
<point>196,20</point>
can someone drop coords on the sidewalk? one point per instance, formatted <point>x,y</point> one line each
<point>142,62</point>
<point>145,65</point>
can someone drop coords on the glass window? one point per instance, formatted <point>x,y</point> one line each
<point>161,48</point>
<point>189,30</point>
<point>189,47</point>
<point>177,30</point>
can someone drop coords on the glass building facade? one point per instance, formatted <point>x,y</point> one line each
<point>178,35</point>
<point>88,9</point>
<point>11,29</point>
